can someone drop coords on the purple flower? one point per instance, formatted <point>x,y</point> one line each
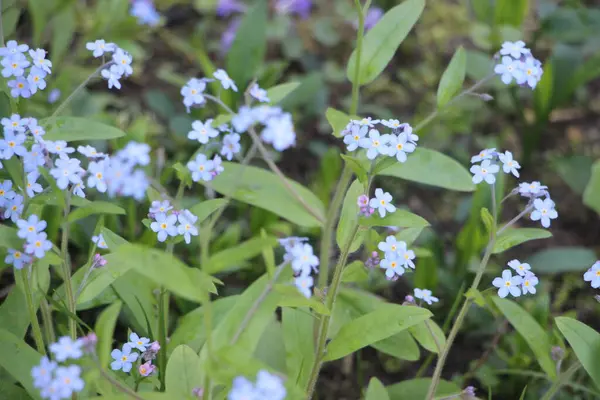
<point>373,16</point>
<point>298,7</point>
<point>229,34</point>
<point>227,7</point>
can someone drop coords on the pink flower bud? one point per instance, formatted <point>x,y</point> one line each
<point>363,200</point>
<point>146,369</point>
<point>155,347</point>
<point>99,261</point>
<point>198,392</point>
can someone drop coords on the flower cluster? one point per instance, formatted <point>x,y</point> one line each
<point>301,256</point>
<point>145,12</point>
<point>543,209</point>
<point>169,222</point>
<point>123,359</point>
<point>592,275</point>
<point>118,67</point>
<point>36,242</point>
<point>15,64</point>
<point>523,282</point>
<point>397,257</point>
<point>517,63</point>
<point>267,387</point>
<point>60,382</point>
<point>362,134</point>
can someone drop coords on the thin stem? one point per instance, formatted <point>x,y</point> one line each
<point>323,328</point>
<point>47,321</point>
<point>66,265</point>
<point>35,325</point>
<point>257,303</point>
<point>562,380</point>
<point>515,219</point>
<point>84,281</point>
<point>1,27</point>
<point>78,89</point>
<point>438,346</point>
<point>437,373</point>
<point>465,92</point>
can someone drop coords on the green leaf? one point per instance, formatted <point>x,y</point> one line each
<point>515,236</point>
<point>356,167</point>
<point>377,325</point>
<point>58,194</point>
<point>234,256</point>
<point>249,46</point>
<point>349,218</point>
<point>18,359</point>
<point>409,235</point>
<point>425,332</point>
<point>487,219</point>
<point>338,120</point>
<point>183,174</point>
<point>381,42</point>
<point>280,92</point>
<point>298,333</point>
<point>113,241</point>
<point>562,259</point>
<point>476,296</point>
<point>9,238</point>
<point>401,345</point>
<point>585,342</point>
<point>535,336</point>
<point>74,129</point>
<point>206,208</point>
<point>400,218</point>
<point>417,389</point>
<point>105,329</point>
<point>511,12</point>
<point>432,168</point>
<point>183,372</point>
<point>291,297</point>
<point>355,272</point>
<point>591,195</point>
<point>376,391</point>
<point>95,207</point>
<point>63,28</point>
<point>542,95</point>
<point>453,78</point>
<point>262,188</point>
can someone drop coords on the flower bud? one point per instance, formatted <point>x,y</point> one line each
<point>557,353</point>
<point>146,369</point>
<point>198,392</point>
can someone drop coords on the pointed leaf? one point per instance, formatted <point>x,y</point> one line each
<point>515,236</point>
<point>280,92</point>
<point>377,325</point>
<point>535,336</point>
<point>95,207</point>
<point>562,259</point>
<point>105,329</point>
<point>399,218</point>
<point>183,372</point>
<point>585,342</point>
<point>591,195</point>
<point>356,167</point>
<point>417,389</point>
<point>338,120</point>
<point>235,255</point>
<point>376,391</point>
<point>453,78</point>
<point>349,218</point>
<point>206,208</point>
<point>298,325</point>
<point>75,129</point>
<point>18,359</point>
<point>291,297</point>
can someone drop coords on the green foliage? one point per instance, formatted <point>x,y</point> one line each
<point>338,120</point>
<point>382,41</point>
<point>453,78</point>
<point>280,92</point>
<point>400,218</point>
<point>234,256</point>
<point>417,389</point>
<point>94,207</point>
<point>105,329</point>
<point>376,390</point>
<point>562,259</point>
<point>73,129</point>
<point>349,218</point>
<point>18,359</point>
<point>183,372</point>
<point>291,297</point>
<point>591,196</point>
<point>585,342</point>
<point>515,236</point>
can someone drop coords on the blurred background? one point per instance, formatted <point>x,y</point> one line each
<point>553,131</point>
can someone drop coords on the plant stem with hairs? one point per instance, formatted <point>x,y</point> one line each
<point>35,325</point>
<point>66,265</point>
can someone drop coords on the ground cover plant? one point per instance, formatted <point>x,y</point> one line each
<point>248,200</point>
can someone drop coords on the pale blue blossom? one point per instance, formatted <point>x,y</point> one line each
<point>17,258</point>
<point>145,12</point>
<point>38,245</point>
<point>12,144</point>
<point>123,359</point>
<point>304,283</point>
<point>14,208</point>
<point>367,121</point>
<point>375,144</point>
<point>521,268</point>
<point>164,226</point>
<point>112,75</point>
<point>38,56</point>
<point>391,245</point>
<point>392,264</point>
<point>160,207</point>
<point>509,69</point>
<point>226,81</point>
<point>100,47</point>
<point>36,131</point>
<point>269,386</point>
<point>19,88</point>
<point>532,189</point>
<point>66,348</point>
<point>186,225</point>
<point>485,154</point>
<point>78,189</point>
<point>426,296</point>
<point>139,343</point>
<point>242,389</point>
<point>32,186</point>
<point>509,165</point>
<point>529,283</point>
<point>531,72</point>
<point>6,193</point>
<point>217,165</point>
<point>231,145</point>
<point>30,227</point>
<point>12,48</point>
<point>192,93</point>
<point>96,177</point>
<point>58,147</point>
<point>486,171</point>
<point>544,211</point>
<point>42,373</point>
<point>406,256</point>
<point>592,275</point>
<point>514,49</point>
<point>258,93</point>
<point>243,120</point>
<point>14,65</point>
<point>122,60</point>
<point>36,79</point>
<point>352,138</point>
<point>399,146</point>
<point>382,202</point>
<point>201,168</point>
<point>303,259</point>
<point>90,152</point>
<point>67,170</point>
<point>202,131</point>
<point>135,153</point>
<point>15,123</point>
<point>279,132</point>
<point>70,380</point>
<point>99,241</point>
<point>508,284</point>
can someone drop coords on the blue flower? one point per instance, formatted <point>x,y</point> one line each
<point>39,60</point>
<point>54,96</point>
<point>509,69</point>
<point>32,186</point>
<point>225,80</point>
<point>12,48</point>
<point>514,49</point>
<point>192,93</point>
<point>202,132</point>
<point>15,123</point>
<point>14,65</point>
<point>231,145</point>
<point>34,158</point>
<point>17,258</point>
<point>6,193</point>
<point>96,176</point>
<point>66,348</point>
<point>145,12</point>
<point>123,60</point>
<point>187,228</point>
<point>38,246</point>
<point>70,380</point>
<point>112,75</point>
<point>67,171</point>
<point>12,144</point>
<point>164,226</point>
<point>259,94</point>
<point>100,47</point>
<point>19,88</point>
<point>123,359</point>
<point>201,168</point>
<point>42,373</point>
<point>352,138</point>
<point>30,227</point>
<point>137,342</point>
<point>36,79</point>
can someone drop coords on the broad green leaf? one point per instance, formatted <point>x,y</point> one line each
<point>355,272</point>
<point>381,42</point>
<point>536,337</point>
<point>432,168</point>
<point>280,92</point>
<point>487,219</point>
<point>262,188</point>
<point>591,195</point>
<point>425,332</point>
<point>75,129</point>
<point>183,174</point>
<point>105,329</point>
<point>376,390</point>
<point>236,255</point>
<point>95,207</point>
<point>63,24</point>
<point>249,46</point>
<point>401,345</point>
<point>349,218</point>
<point>206,208</point>
<point>575,171</point>
<point>113,241</point>
<point>291,297</point>
<point>138,295</point>
<point>12,391</point>
<point>268,255</point>
<point>515,236</point>
<point>477,297</point>
<point>417,389</point>
<point>562,259</point>
<point>163,268</point>
<point>377,325</point>
<point>511,12</point>
<point>183,372</point>
<point>399,218</point>
<point>409,235</point>
<point>585,342</point>
<point>453,78</point>
<point>338,120</point>
<point>14,167</point>
<point>299,344</point>
<point>58,194</point>
<point>9,238</point>
<point>542,96</point>
<point>18,359</point>
<point>191,328</point>
<point>271,349</point>
<point>356,167</point>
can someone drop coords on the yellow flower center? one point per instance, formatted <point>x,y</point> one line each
<point>38,244</point>
<point>20,85</point>
<point>507,284</point>
<point>382,202</point>
<point>399,146</point>
<point>163,226</point>
<point>124,358</point>
<point>99,175</point>
<point>12,144</point>
<point>17,254</point>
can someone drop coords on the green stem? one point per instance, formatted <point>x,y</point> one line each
<point>359,43</point>
<point>35,325</point>
<point>118,385</point>
<point>562,380</point>
<point>540,375</point>
<point>437,373</point>
<point>323,329</point>
<point>47,321</point>
<point>66,265</point>
<point>1,27</point>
